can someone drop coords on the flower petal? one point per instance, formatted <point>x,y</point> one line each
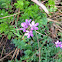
<point>57,45</point>
<point>23,24</point>
<point>36,28</point>
<point>27,31</point>
<point>31,35</point>
<point>61,46</point>
<point>36,24</point>
<point>28,36</point>
<point>32,29</point>
<point>24,30</point>
<point>57,42</point>
<point>29,20</point>
<point>33,23</point>
<point>21,29</point>
<point>31,32</point>
<point>30,25</point>
<point>26,20</point>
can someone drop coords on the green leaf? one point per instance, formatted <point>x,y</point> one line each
<point>9,36</point>
<point>19,4</point>
<point>27,52</point>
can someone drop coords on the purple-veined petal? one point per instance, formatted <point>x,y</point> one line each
<point>28,33</point>
<point>36,24</point>
<point>24,30</point>
<point>57,45</point>
<point>36,28</point>
<point>26,26</point>
<point>31,32</point>
<point>26,20</point>
<point>61,46</point>
<point>29,20</point>
<point>32,29</point>
<point>31,35</point>
<point>21,29</point>
<point>33,26</point>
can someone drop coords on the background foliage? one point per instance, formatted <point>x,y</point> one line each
<point>29,10</point>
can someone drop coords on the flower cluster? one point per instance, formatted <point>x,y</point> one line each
<point>29,27</point>
<point>58,44</point>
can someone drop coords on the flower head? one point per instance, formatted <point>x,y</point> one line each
<point>29,27</point>
<point>61,46</point>
<point>25,25</point>
<point>27,22</point>
<point>33,26</point>
<point>28,34</point>
<point>24,29</point>
<point>58,44</point>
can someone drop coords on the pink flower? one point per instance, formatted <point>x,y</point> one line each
<point>25,25</point>
<point>27,22</point>
<point>61,46</point>
<point>24,29</point>
<point>28,34</point>
<point>33,26</point>
<point>58,44</point>
<point>28,27</point>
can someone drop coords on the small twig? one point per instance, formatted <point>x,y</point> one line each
<point>40,33</point>
<point>59,28</point>
<point>13,20</point>
<point>53,21</point>
<point>38,46</point>
<point>3,47</point>
<point>17,54</point>
<point>6,55</point>
<point>9,16</point>
<point>57,54</point>
<point>14,53</point>
<point>59,10</point>
<point>2,50</point>
<point>18,15</point>
<point>2,40</point>
<point>36,51</point>
<point>2,34</point>
<point>41,5</point>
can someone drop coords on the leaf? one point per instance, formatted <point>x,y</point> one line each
<point>9,36</point>
<point>27,52</point>
<point>19,4</point>
<point>41,5</point>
